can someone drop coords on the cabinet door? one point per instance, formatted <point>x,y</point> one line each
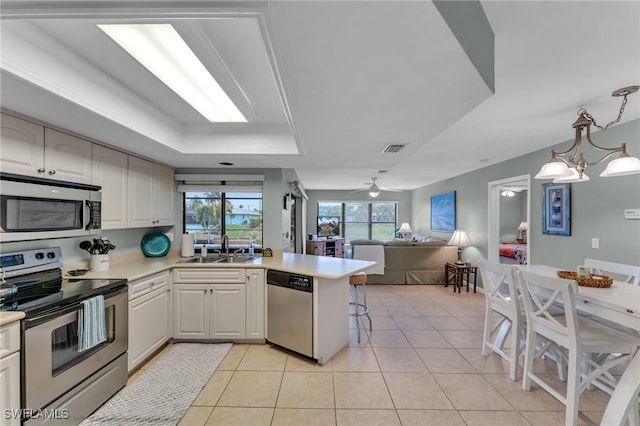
<point>109,171</point>
<point>255,303</point>
<point>148,325</point>
<point>67,157</point>
<point>164,189</point>
<point>339,248</point>
<point>10,387</point>
<point>191,311</point>
<point>228,311</point>
<point>22,147</point>
<point>141,200</point>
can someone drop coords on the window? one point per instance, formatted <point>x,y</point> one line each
<point>240,219</point>
<point>363,220</point>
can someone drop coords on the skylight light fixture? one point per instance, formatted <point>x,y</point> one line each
<point>570,165</point>
<point>160,49</point>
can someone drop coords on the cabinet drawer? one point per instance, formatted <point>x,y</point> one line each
<point>145,285</point>
<point>209,276</point>
<point>9,339</point>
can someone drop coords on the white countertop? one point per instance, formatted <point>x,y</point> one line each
<point>316,266</point>
<point>7,317</point>
<point>138,267</point>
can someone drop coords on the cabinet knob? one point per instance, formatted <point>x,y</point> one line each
<point>52,172</point>
<point>41,170</point>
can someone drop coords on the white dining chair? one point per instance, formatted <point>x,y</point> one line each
<point>580,337</point>
<point>629,273</point>
<point>501,298</point>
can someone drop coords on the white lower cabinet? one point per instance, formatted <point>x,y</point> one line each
<point>210,304</point>
<point>256,304</point>
<point>150,316</point>
<point>209,311</point>
<point>10,373</point>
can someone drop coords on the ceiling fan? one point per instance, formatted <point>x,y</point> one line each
<point>374,190</point>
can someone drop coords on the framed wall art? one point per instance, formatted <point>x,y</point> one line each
<point>556,208</point>
<point>443,212</point>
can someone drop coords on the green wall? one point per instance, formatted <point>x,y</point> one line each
<point>597,206</point>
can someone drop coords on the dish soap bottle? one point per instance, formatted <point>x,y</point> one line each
<point>203,251</point>
<point>251,249</point>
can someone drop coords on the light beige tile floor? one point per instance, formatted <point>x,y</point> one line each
<point>421,365</point>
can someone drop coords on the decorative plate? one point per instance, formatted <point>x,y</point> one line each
<point>155,244</point>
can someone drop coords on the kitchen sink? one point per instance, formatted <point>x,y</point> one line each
<point>218,258</point>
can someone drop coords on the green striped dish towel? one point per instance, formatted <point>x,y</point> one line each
<point>92,328</point>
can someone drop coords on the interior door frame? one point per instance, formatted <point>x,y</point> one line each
<point>493,238</point>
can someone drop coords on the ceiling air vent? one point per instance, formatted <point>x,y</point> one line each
<point>392,149</point>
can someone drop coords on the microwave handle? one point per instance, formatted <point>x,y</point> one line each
<point>94,215</point>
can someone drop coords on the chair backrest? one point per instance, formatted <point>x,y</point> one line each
<point>542,295</point>
<point>500,292</point>
<point>374,253</point>
<point>630,273</point>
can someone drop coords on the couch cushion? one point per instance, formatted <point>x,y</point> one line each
<point>431,243</point>
<point>366,243</point>
<point>399,243</point>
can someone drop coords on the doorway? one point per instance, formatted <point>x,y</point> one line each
<point>520,185</point>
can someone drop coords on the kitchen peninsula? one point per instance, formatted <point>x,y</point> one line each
<point>196,309</point>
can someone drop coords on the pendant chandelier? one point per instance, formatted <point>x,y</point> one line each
<point>570,165</point>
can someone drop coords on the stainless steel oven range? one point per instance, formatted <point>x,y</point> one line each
<point>57,378</point>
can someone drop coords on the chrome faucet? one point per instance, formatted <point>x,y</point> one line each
<point>225,244</point>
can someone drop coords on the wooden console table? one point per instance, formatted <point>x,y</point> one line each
<point>458,273</point>
<point>326,247</point>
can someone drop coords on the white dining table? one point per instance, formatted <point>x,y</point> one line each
<point>620,304</point>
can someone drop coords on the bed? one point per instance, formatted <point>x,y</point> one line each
<point>513,254</point>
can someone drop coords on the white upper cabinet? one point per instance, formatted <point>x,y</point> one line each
<point>110,172</point>
<point>164,190</point>
<point>67,157</point>
<point>32,150</point>
<point>22,147</point>
<point>150,194</point>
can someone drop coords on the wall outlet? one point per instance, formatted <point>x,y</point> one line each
<point>632,213</point>
<point>595,243</point>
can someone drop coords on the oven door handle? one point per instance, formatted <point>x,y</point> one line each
<point>57,312</point>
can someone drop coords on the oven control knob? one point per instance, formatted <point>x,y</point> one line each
<point>51,255</point>
<point>39,256</point>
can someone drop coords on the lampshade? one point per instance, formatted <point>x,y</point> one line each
<point>574,178</point>
<point>523,226</point>
<point>569,166</point>
<point>459,238</point>
<point>405,228</point>
<point>622,166</point>
<point>553,169</point>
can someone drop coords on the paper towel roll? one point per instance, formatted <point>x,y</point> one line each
<point>187,245</point>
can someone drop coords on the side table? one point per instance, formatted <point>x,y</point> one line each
<point>458,272</point>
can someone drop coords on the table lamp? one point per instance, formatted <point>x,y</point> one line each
<point>460,239</point>
<point>522,236</point>
<point>405,230</point>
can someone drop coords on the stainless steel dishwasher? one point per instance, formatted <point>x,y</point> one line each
<point>290,311</point>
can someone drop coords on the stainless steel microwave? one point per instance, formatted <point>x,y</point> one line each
<point>33,208</point>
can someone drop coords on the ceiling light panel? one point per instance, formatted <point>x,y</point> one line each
<point>160,49</point>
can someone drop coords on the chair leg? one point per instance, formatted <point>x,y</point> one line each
<point>529,357</point>
<point>573,385</point>
<point>514,359</point>
<point>486,335</point>
<point>355,290</point>
<point>366,306</point>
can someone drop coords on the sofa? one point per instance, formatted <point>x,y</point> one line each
<point>412,262</point>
